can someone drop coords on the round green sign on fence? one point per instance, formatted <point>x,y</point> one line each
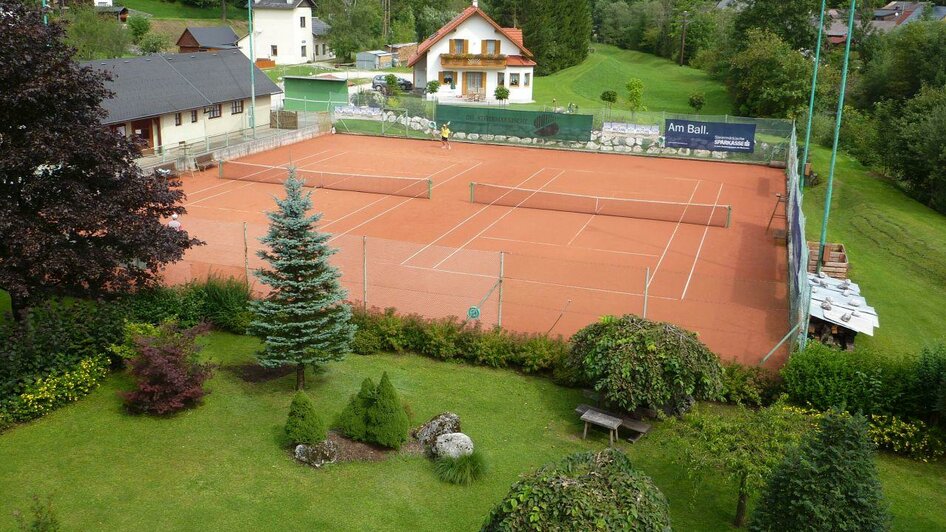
<point>473,313</point>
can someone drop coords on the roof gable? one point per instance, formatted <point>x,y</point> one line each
<point>282,4</point>
<point>159,84</point>
<point>211,37</point>
<point>512,34</point>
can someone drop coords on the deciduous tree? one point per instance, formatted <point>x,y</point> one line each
<point>77,214</point>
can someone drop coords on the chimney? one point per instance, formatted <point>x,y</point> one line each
<point>476,4</point>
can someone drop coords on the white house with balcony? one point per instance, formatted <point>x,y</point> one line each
<point>472,55</point>
<point>286,33</point>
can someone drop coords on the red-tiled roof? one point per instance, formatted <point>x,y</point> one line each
<point>512,34</point>
<point>518,60</point>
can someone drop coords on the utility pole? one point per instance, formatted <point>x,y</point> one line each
<point>252,115</point>
<point>683,40</point>
<point>811,102</point>
<point>837,134</point>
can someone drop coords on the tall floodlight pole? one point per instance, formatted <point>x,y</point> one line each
<point>837,134</point>
<point>811,101</point>
<point>252,115</point>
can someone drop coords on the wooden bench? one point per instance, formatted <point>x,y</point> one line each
<point>205,161</point>
<point>593,417</point>
<point>637,428</point>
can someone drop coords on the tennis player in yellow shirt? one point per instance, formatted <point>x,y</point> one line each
<point>445,136</point>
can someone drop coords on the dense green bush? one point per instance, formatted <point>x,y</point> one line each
<point>304,425</point>
<point>452,339</point>
<point>912,438</point>
<point>828,483</point>
<point>47,393</point>
<point>53,338</point>
<point>750,385</point>
<point>376,415</point>
<point>463,470</point>
<point>128,349</point>
<point>635,363</point>
<point>930,384</point>
<point>585,491</point>
<point>222,302</point>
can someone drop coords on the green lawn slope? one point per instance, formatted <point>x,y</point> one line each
<point>667,86</point>
<point>896,249</point>
<point>160,9</point>
<point>220,466</point>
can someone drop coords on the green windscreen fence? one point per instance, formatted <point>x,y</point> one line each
<point>534,124</point>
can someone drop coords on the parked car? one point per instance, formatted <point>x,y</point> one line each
<point>380,83</point>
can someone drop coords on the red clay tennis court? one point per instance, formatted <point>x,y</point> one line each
<point>576,235</point>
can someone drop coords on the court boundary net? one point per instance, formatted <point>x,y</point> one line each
<point>705,214</point>
<point>412,187</point>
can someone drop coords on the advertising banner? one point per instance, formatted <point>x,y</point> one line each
<point>713,136</point>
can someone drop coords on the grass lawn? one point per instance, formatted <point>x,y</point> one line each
<point>667,86</point>
<point>165,9</point>
<point>173,28</point>
<point>219,464</point>
<point>896,248</point>
<point>278,72</point>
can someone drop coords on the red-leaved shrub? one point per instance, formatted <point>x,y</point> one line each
<point>168,376</point>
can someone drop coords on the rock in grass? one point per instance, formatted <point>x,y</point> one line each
<point>445,423</point>
<point>317,455</point>
<point>454,445</point>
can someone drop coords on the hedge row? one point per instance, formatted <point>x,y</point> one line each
<point>452,339</point>
<point>221,302</point>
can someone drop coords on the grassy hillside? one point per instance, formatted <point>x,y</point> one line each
<point>173,28</point>
<point>667,86</point>
<point>163,9</point>
<point>896,248</point>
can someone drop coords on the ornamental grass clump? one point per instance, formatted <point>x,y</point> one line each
<point>463,470</point>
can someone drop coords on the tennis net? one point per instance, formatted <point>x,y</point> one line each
<point>412,187</point>
<point>668,211</point>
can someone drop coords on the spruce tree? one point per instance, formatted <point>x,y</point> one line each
<point>304,425</point>
<point>387,420</point>
<point>304,319</point>
<point>353,420</point>
<point>828,483</point>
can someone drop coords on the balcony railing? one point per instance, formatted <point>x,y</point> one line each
<point>472,61</point>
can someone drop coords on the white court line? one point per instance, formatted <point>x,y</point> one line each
<point>592,217</point>
<point>699,249</point>
<point>544,283</point>
<point>635,177</point>
<point>399,204</point>
<point>578,247</point>
<point>497,220</point>
<point>251,183</point>
<point>468,218</point>
<point>234,180</point>
<point>386,196</point>
<point>672,235</point>
<point>224,209</point>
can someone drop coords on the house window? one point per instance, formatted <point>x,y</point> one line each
<point>500,78</point>
<point>194,116</point>
<point>324,49</point>
<point>491,47</point>
<point>236,107</point>
<point>528,79</point>
<point>448,78</point>
<point>301,22</point>
<point>458,46</point>
<point>304,51</point>
<point>513,80</point>
<point>273,51</point>
<point>214,111</point>
<point>177,119</point>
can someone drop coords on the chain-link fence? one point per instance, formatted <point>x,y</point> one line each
<point>519,291</point>
<point>612,130</point>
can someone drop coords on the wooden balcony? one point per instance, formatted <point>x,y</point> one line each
<point>472,61</point>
